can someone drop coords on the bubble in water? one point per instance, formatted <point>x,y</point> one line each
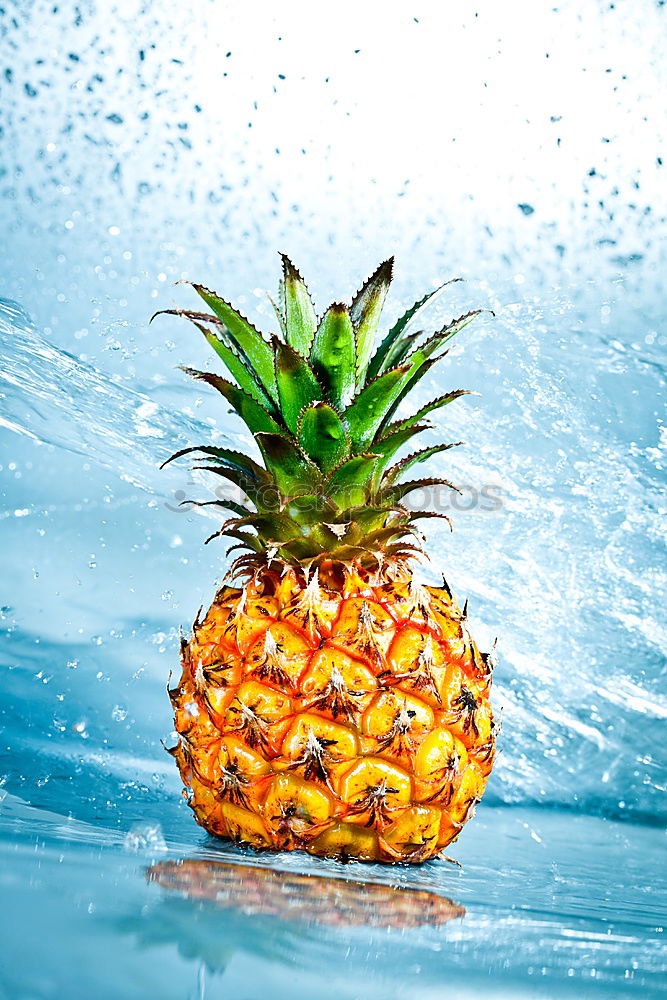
<point>119,714</point>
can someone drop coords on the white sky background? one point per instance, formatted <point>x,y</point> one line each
<point>410,128</point>
<point>447,99</point>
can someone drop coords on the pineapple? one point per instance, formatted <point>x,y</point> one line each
<point>328,701</point>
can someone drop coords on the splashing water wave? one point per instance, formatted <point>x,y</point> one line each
<point>54,398</point>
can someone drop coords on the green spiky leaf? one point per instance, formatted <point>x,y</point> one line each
<point>253,414</point>
<point>310,508</point>
<point>368,410</point>
<point>280,316</point>
<point>245,337</point>
<point>416,371</point>
<point>393,494</point>
<point>400,349</point>
<point>239,370</point>
<point>230,459</point>
<point>323,538</point>
<point>263,495</point>
<point>296,382</point>
<point>322,435</point>
<point>294,473</point>
<point>441,337</point>
<point>387,445</point>
<point>321,415</point>
<point>305,548</point>
<point>371,518</point>
<point>247,540</point>
<point>395,531</point>
<point>365,313</point>
<point>435,404</point>
<point>237,508</point>
<point>421,360</point>
<point>237,365</point>
<point>417,457</point>
<point>399,330</point>
<point>422,515</point>
<point>276,527</point>
<point>298,309</point>
<point>349,484</point>
<point>333,355</point>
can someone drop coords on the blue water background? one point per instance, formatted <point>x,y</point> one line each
<point>140,147</point>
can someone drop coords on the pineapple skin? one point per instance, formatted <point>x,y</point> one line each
<point>350,720</point>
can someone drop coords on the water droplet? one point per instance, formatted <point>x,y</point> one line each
<point>145,837</point>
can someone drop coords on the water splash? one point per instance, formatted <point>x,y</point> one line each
<point>53,398</point>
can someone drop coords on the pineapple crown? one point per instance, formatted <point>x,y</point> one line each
<point>320,402</point>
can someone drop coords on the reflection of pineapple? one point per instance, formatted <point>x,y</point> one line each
<point>304,898</point>
<point>331,702</point>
